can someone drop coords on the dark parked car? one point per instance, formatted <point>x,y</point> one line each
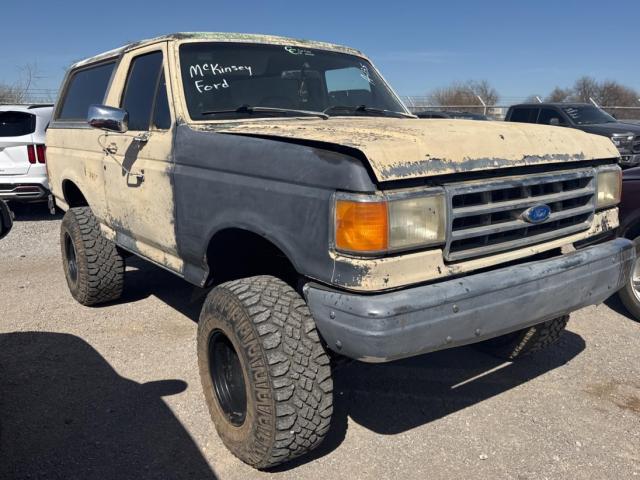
<point>630,228</point>
<point>6,221</point>
<point>461,115</point>
<point>585,117</point>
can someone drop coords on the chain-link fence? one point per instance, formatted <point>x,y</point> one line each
<point>497,112</point>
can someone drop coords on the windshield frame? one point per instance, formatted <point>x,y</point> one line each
<point>180,91</point>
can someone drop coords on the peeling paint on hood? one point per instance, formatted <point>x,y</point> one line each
<point>410,148</point>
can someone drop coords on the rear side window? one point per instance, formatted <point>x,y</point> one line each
<point>86,87</point>
<point>16,124</point>
<point>145,94</point>
<point>546,114</point>
<point>525,115</point>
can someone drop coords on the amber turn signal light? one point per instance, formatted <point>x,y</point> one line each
<point>361,226</point>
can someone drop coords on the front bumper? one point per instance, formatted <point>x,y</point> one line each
<point>629,160</point>
<point>389,326</point>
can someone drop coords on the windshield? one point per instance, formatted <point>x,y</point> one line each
<point>218,78</point>
<point>588,115</point>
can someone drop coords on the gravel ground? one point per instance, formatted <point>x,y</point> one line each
<point>113,392</point>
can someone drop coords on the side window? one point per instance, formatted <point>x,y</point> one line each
<point>546,114</point>
<point>141,93</point>
<point>85,87</point>
<point>161,114</point>
<point>525,115</point>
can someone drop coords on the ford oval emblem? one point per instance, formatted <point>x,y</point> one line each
<point>537,213</point>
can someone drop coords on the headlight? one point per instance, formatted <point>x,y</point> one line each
<point>609,184</point>
<point>371,224</point>
<point>622,140</point>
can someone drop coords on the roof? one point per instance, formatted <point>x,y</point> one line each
<point>29,108</point>
<point>553,104</point>
<point>220,37</point>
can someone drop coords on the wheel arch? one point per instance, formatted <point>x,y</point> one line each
<point>73,195</point>
<point>235,252</point>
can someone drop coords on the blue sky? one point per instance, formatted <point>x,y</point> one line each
<point>519,48</point>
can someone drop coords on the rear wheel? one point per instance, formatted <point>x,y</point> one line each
<point>526,341</point>
<point>93,266</point>
<point>265,374</point>
<point>630,294</point>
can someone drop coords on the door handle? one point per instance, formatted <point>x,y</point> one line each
<point>112,148</point>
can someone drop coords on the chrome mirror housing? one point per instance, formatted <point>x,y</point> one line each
<point>108,118</point>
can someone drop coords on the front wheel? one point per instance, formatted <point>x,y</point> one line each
<point>521,343</point>
<point>629,295</point>
<point>265,373</point>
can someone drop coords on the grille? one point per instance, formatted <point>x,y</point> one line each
<point>636,145</point>
<point>486,217</point>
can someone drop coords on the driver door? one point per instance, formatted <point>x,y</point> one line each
<point>137,164</point>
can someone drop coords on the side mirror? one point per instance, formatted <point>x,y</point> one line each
<point>107,118</point>
<point>6,219</point>
<point>554,121</point>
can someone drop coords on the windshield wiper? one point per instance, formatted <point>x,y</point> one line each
<point>364,108</point>
<point>251,110</point>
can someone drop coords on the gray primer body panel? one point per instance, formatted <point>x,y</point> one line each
<point>385,327</point>
<point>278,190</point>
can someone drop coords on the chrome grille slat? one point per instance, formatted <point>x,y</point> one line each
<point>485,216</point>
<point>516,224</point>
<point>486,250</point>
<point>509,205</point>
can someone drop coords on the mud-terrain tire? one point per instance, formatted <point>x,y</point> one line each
<point>521,343</point>
<point>629,295</point>
<point>93,266</point>
<point>265,374</point>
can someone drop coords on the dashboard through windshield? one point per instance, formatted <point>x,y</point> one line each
<point>229,80</point>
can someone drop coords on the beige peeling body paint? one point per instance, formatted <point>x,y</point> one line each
<point>410,148</point>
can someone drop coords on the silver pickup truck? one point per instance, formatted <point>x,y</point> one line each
<point>287,176</point>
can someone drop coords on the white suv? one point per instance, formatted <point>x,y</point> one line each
<point>23,172</point>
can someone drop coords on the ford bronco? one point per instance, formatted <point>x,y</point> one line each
<point>328,221</point>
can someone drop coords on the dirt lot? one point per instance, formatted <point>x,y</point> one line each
<point>113,392</point>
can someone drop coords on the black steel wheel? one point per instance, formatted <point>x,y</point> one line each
<point>72,262</point>
<point>227,378</point>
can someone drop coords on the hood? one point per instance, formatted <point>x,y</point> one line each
<point>631,174</point>
<point>610,128</point>
<point>410,148</point>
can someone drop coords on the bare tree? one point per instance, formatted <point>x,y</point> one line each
<point>465,94</point>
<point>613,93</point>
<point>19,91</point>
<point>586,88</point>
<point>559,95</point>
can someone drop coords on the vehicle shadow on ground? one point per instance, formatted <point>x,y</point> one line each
<point>385,398</point>
<point>33,212</point>
<point>396,397</point>
<point>614,303</point>
<point>143,279</point>
<point>65,413</point>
